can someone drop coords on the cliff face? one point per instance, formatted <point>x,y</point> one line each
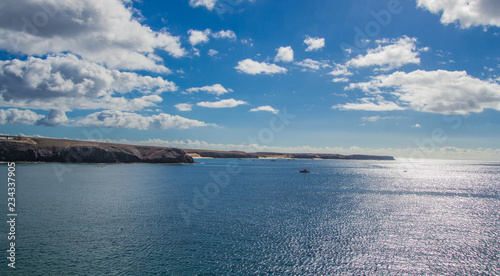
<point>70,151</point>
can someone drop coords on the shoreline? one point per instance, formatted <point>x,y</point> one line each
<point>49,150</point>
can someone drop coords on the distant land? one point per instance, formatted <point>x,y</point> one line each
<point>31,149</point>
<point>195,153</point>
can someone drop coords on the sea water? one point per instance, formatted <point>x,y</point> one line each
<point>240,217</point>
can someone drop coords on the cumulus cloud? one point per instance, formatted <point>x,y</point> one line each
<point>445,92</point>
<point>313,64</point>
<point>394,55</point>
<point>197,37</point>
<point>314,43</point>
<point>225,34</point>
<point>267,108</point>
<point>105,32</point>
<point>212,52</point>
<point>184,107</point>
<point>467,13</point>
<point>216,89</point>
<point>370,104</point>
<point>251,67</point>
<point>285,54</point>
<point>342,79</point>
<point>66,82</point>
<point>340,70</point>
<point>119,119</point>
<point>208,4</point>
<point>229,103</point>
<point>17,116</point>
<point>54,118</point>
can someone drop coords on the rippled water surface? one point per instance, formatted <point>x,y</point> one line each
<point>238,217</point>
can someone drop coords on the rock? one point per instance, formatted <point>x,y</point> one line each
<point>27,149</point>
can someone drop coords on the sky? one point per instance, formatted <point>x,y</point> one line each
<point>412,79</point>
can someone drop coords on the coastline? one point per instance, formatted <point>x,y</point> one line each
<point>48,150</point>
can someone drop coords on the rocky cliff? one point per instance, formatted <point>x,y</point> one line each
<point>27,149</point>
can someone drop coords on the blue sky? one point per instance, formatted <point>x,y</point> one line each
<point>406,78</point>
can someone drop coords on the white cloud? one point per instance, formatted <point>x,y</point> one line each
<point>225,34</point>
<point>340,79</point>
<point>313,64</point>
<point>208,4</point>
<point>54,118</point>
<point>314,43</point>
<point>401,52</point>
<point>248,42</point>
<point>118,119</point>
<point>265,108</point>
<point>197,37</point>
<point>105,32</point>
<point>212,52</point>
<point>468,13</point>
<point>375,118</point>
<point>285,54</point>
<point>229,103</point>
<point>340,70</point>
<point>184,107</point>
<point>370,104</point>
<point>67,82</point>
<point>251,67</point>
<point>216,89</point>
<point>445,92</point>
<point>417,126</point>
<point>16,116</point>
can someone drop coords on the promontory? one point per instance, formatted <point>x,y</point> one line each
<point>29,149</point>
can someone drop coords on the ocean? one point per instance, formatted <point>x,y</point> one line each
<point>245,217</point>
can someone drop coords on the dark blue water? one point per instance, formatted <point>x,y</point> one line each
<point>240,217</point>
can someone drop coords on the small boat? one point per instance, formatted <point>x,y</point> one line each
<point>304,171</point>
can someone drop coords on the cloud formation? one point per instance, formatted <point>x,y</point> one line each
<point>370,104</point>
<point>119,119</point>
<point>251,67</point>
<point>314,43</point>
<point>216,89</point>
<point>267,108</point>
<point>208,4</point>
<point>106,32</point>
<point>444,92</point>
<point>228,34</point>
<point>285,54</point>
<point>467,13</point>
<point>17,116</point>
<point>184,107</point>
<point>197,37</point>
<point>66,82</point>
<point>313,65</point>
<point>54,118</point>
<point>393,55</point>
<point>228,103</point>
